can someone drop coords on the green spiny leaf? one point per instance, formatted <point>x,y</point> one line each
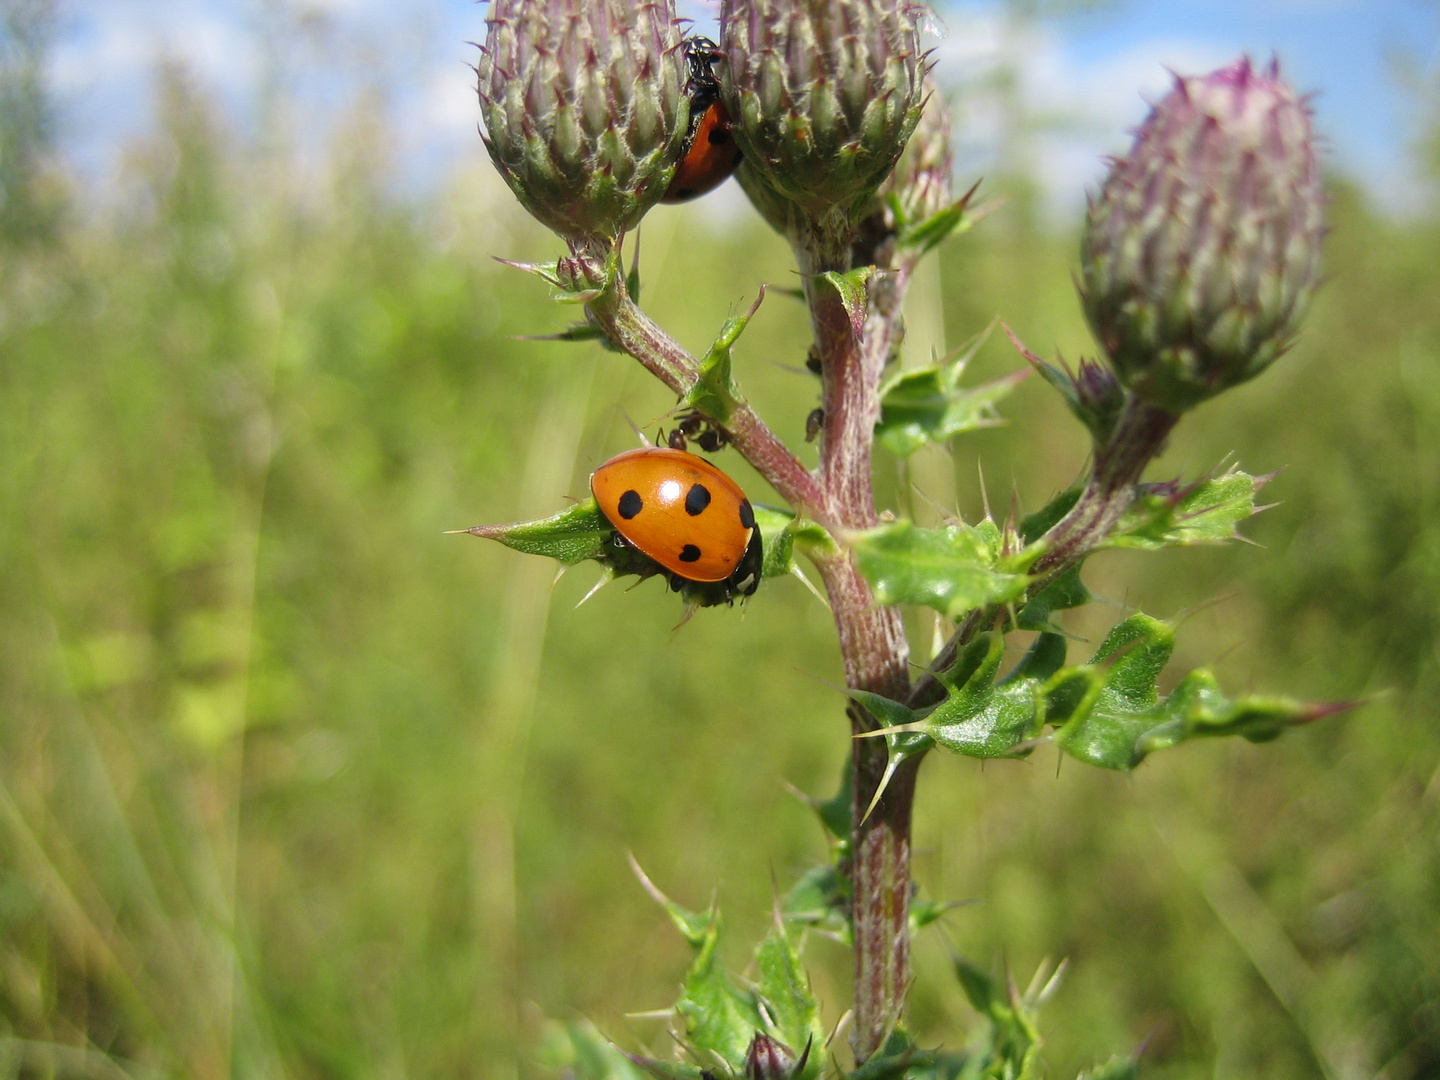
<point>979,718</point>
<point>784,987</point>
<point>820,900</point>
<point>781,531</point>
<point>927,405</point>
<point>1013,1049</point>
<point>585,1054</point>
<point>575,534</point>
<point>1115,718</point>
<point>953,569</point>
<point>1043,659</point>
<point>1033,526</point>
<point>1197,709</point>
<point>1065,592</point>
<point>899,1059</point>
<point>937,227</point>
<point>853,289</point>
<point>1202,513</point>
<point>715,393</point>
<point>1107,719</point>
<point>719,1017</point>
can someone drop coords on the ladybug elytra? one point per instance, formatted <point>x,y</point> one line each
<point>710,152</point>
<point>683,513</point>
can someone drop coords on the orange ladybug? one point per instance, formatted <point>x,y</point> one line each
<point>683,513</point>
<point>710,151</point>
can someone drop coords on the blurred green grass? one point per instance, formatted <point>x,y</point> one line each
<point>294,784</point>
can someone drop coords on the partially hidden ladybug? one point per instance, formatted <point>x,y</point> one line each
<point>686,515</point>
<point>710,152</point>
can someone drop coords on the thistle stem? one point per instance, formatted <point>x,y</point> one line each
<point>872,638</point>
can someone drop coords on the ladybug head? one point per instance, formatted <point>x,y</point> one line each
<point>701,54</point>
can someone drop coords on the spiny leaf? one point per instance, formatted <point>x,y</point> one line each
<point>1111,713</point>
<point>575,534</point>
<point>578,332</point>
<point>956,218</point>
<point>715,393</point>
<point>1034,526</point>
<point>695,927</point>
<point>1201,513</point>
<point>820,900</point>
<point>781,531</point>
<point>897,723</point>
<point>853,290</point>
<point>1065,592</point>
<point>953,569</point>
<point>585,1054</point>
<point>1114,718</point>
<point>980,718</point>
<point>899,1059</point>
<point>1043,659</point>
<point>928,404</point>
<point>1014,1043</point>
<point>784,988</point>
<point>718,1016</point>
<point>1197,709</point>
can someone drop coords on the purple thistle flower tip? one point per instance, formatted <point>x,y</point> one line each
<point>1202,248</point>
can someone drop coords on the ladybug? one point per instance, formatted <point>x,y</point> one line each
<point>686,515</point>
<point>710,152</point>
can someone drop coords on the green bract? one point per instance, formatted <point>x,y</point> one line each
<point>824,94</point>
<point>1202,249</point>
<point>584,108</point>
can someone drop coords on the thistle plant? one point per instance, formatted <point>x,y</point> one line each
<point>1200,252</point>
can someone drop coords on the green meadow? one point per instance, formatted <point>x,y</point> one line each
<point>295,784</point>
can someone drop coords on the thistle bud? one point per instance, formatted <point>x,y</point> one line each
<point>823,93</point>
<point>584,108</point>
<point>1202,249</point>
<point>916,189</point>
<point>769,1059</point>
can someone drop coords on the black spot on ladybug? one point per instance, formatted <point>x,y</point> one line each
<point>689,553</point>
<point>696,499</point>
<point>747,515</point>
<point>630,504</point>
<point>685,193</point>
<point>718,136</point>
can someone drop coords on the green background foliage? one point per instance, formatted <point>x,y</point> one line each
<point>294,784</point>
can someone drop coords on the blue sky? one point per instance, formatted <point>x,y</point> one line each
<point>1087,72</point>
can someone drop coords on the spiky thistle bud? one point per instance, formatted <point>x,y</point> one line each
<point>920,183</point>
<point>584,108</point>
<point>1202,249</point>
<point>769,1059</point>
<point>824,94</point>
<point>917,188</point>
